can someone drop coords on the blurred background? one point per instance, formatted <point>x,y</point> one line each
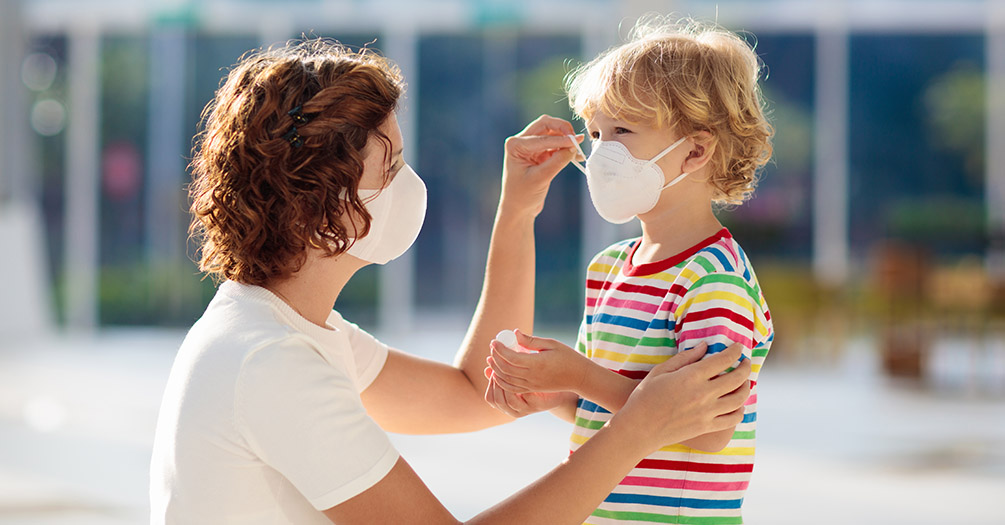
<point>877,232</point>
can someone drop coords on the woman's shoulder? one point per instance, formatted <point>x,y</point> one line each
<point>238,320</point>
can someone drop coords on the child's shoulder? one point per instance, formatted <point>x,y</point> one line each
<point>722,256</point>
<point>724,262</point>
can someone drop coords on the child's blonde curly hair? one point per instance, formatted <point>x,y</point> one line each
<point>687,77</point>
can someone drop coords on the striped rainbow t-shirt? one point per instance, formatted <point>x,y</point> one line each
<point>636,317</point>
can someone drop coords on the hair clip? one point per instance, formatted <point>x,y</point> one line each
<point>293,137</point>
<point>299,118</point>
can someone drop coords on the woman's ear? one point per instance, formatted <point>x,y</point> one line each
<point>702,147</point>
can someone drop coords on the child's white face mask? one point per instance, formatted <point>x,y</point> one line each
<point>622,186</point>
<point>396,212</point>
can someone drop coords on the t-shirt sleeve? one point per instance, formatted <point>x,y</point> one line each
<point>303,417</point>
<point>720,309</point>
<point>596,274</point>
<point>367,351</point>
<point>581,339</point>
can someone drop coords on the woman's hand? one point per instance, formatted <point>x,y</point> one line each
<point>554,367</point>
<point>519,405</point>
<point>674,404</point>
<point>533,158</point>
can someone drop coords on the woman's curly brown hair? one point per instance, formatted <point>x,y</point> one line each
<point>259,202</point>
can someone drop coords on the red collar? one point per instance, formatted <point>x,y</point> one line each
<point>632,270</point>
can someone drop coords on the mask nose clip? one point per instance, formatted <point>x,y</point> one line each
<point>576,163</point>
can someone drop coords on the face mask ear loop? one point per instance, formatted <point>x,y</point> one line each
<point>660,156</point>
<point>580,151</point>
<point>668,150</point>
<point>675,181</point>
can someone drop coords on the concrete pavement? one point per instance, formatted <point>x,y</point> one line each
<point>837,442</point>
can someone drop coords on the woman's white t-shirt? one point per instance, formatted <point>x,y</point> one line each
<point>261,420</point>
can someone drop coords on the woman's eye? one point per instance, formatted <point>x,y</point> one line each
<point>396,167</point>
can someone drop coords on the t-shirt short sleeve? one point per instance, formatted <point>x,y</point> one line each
<point>720,309</point>
<point>304,418</point>
<point>369,353</point>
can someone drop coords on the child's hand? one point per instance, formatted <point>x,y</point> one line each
<point>519,405</point>
<point>553,368</point>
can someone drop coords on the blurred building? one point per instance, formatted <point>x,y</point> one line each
<point>889,113</point>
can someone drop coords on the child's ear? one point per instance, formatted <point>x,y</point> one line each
<point>702,148</point>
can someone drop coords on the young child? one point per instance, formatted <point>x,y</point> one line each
<point>677,125</point>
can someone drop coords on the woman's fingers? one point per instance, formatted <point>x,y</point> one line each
<point>556,160</point>
<point>736,397</point>
<point>514,402</point>
<point>734,400</point>
<point>536,143</point>
<point>546,124</point>
<point>693,400</point>
<point>715,364</point>
<point>494,396</point>
<point>682,359</point>
<point>537,149</point>
<point>533,158</point>
<point>490,393</point>
<point>734,379</point>
<point>728,420</point>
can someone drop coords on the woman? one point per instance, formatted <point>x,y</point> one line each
<point>276,408</point>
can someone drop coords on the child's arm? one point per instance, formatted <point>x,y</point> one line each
<point>724,309</point>
<point>516,378</point>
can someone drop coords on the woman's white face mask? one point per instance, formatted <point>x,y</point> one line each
<point>397,212</point>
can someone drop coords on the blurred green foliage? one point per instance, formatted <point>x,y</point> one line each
<point>793,140</point>
<point>942,218</point>
<point>124,88</point>
<point>541,91</point>
<point>955,102</point>
<point>163,295</point>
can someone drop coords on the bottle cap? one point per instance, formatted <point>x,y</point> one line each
<point>507,338</point>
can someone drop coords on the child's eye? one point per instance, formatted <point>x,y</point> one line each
<point>594,135</point>
<point>620,130</point>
